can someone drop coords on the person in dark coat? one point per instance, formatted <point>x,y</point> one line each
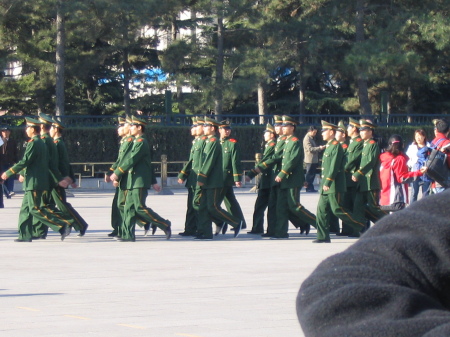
<point>394,281</point>
<point>9,155</point>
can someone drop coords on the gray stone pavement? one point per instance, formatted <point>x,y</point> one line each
<point>96,286</point>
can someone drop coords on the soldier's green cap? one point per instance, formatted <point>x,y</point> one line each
<point>225,124</point>
<point>200,120</point>
<point>288,120</point>
<point>32,121</point>
<point>269,128</point>
<point>328,126</point>
<point>194,122</point>
<point>210,121</point>
<point>128,119</point>
<point>341,126</point>
<point>57,123</point>
<point>120,121</point>
<point>138,121</point>
<point>45,119</point>
<point>354,122</point>
<point>365,125</point>
<point>277,120</point>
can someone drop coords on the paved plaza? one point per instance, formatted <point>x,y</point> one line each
<point>96,286</point>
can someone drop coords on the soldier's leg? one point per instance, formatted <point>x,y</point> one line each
<point>139,196</point>
<point>282,223</point>
<point>233,206</point>
<point>334,224</point>
<point>25,218</point>
<point>351,219</point>
<point>373,207</point>
<point>40,230</point>
<point>272,211</point>
<point>121,202</point>
<point>323,218</point>
<point>213,201</point>
<point>204,225</point>
<point>261,203</point>
<point>116,218</point>
<point>190,225</point>
<point>68,212</point>
<point>297,209</point>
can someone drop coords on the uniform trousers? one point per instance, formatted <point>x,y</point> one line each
<point>135,210</point>
<point>207,203</point>
<point>367,204</point>
<point>190,225</point>
<point>232,204</point>
<point>60,198</point>
<point>116,217</point>
<point>288,204</point>
<point>331,204</point>
<point>35,209</point>
<point>348,202</point>
<point>261,204</point>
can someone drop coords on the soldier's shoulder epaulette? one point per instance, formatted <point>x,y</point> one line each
<point>344,146</point>
<point>272,144</point>
<point>212,139</point>
<point>140,140</point>
<point>42,137</point>
<point>31,140</point>
<point>372,142</point>
<point>359,139</point>
<point>56,141</point>
<point>334,142</point>
<point>294,139</point>
<point>233,140</point>
<point>204,137</point>
<point>284,137</point>
<point>130,139</point>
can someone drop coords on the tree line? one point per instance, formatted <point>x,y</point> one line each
<point>101,57</point>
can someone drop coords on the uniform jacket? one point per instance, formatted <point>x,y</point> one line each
<point>291,172</point>
<point>63,159</point>
<point>34,166</point>
<point>353,158</point>
<point>211,168</point>
<point>53,157</point>
<point>138,164</point>
<point>231,161</point>
<point>126,145</point>
<point>273,163</point>
<point>266,176</point>
<point>311,150</point>
<point>333,168</point>
<point>368,174</point>
<point>187,173</point>
<point>393,281</point>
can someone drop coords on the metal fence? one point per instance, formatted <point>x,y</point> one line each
<point>89,121</point>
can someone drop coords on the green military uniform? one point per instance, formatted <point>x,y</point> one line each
<point>274,164</point>
<point>232,173</point>
<point>368,176</point>
<point>40,229</point>
<point>34,167</point>
<point>188,175</point>
<point>140,178</point>
<point>59,193</point>
<point>208,196</point>
<point>293,177</point>
<point>264,187</point>
<point>353,159</point>
<point>330,201</point>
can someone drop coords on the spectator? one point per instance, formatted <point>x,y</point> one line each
<point>8,157</point>
<point>441,131</point>
<point>311,157</point>
<point>418,153</point>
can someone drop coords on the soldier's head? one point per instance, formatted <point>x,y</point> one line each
<point>56,129</point>
<point>224,129</point>
<point>366,129</point>
<point>33,127</point>
<point>278,124</point>
<point>269,133</point>
<point>289,125</point>
<point>46,122</point>
<point>328,131</point>
<point>210,126</point>
<point>199,128</point>
<point>341,132</point>
<point>194,126</point>
<point>137,126</point>
<point>353,127</point>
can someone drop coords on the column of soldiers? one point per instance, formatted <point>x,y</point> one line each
<point>45,173</point>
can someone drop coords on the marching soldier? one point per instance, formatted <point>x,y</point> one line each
<point>353,159</point>
<point>332,187</point>
<point>34,170</point>
<point>208,194</point>
<point>367,176</point>
<point>290,178</point>
<point>59,193</point>
<point>188,175</point>
<point>140,178</point>
<point>232,171</point>
<point>264,184</point>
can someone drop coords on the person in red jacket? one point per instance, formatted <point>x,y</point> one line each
<point>394,175</point>
<point>441,131</point>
